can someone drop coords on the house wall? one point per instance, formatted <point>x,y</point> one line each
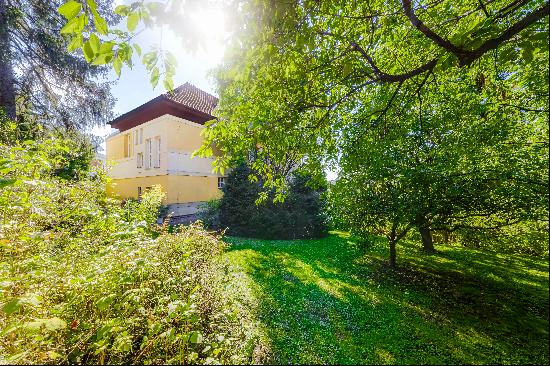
<point>115,148</point>
<point>178,189</point>
<point>184,178</point>
<point>184,136</point>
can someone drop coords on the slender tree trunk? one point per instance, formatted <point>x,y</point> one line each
<point>7,80</point>
<point>393,253</point>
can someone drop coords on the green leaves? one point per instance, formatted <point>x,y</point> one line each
<point>155,74</point>
<point>12,306</point>
<point>105,54</point>
<point>122,10</point>
<point>102,299</point>
<point>75,25</point>
<point>50,325</point>
<point>168,84</point>
<point>88,51</point>
<point>138,49</point>
<point>117,66</point>
<point>116,50</point>
<point>132,21</point>
<point>92,4</point>
<point>195,337</point>
<point>4,182</point>
<point>150,60</point>
<point>100,24</point>
<point>527,52</point>
<point>94,43</point>
<point>75,43</point>
<point>70,9</point>
<point>53,324</point>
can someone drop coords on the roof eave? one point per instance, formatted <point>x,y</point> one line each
<point>137,109</point>
<point>160,102</point>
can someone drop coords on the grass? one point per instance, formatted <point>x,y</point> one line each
<point>332,301</point>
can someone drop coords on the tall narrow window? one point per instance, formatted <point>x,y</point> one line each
<point>141,135</point>
<point>156,152</point>
<point>136,132</point>
<point>148,154</point>
<point>139,160</point>
<point>221,182</point>
<point>139,193</point>
<point>127,145</point>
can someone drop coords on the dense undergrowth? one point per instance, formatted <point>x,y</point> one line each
<point>86,280</point>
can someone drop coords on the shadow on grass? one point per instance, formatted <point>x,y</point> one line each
<point>327,301</point>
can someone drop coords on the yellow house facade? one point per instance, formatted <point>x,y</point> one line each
<point>154,146</point>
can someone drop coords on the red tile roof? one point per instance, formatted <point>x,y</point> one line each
<point>187,101</point>
<point>193,97</point>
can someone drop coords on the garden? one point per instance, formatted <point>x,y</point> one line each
<point>385,195</point>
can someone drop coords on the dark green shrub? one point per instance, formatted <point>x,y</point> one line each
<point>209,214</point>
<point>300,216</point>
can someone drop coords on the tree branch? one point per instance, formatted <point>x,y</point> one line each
<point>491,44</point>
<point>466,57</point>
<point>484,8</point>
<point>418,24</point>
<point>384,77</point>
<point>510,7</point>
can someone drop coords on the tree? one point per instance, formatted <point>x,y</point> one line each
<point>338,81</point>
<point>298,217</point>
<point>40,76</point>
<point>461,164</point>
<point>296,70</point>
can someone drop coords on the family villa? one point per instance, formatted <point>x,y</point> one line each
<point>154,144</point>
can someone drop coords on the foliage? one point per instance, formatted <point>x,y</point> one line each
<point>86,29</point>
<point>426,132</point>
<point>296,75</point>
<point>300,216</point>
<point>84,281</point>
<point>78,153</point>
<point>209,214</point>
<point>24,129</point>
<point>330,301</point>
<point>471,166</point>
<point>442,94</point>
<point>526,237</point>
<point>147,209</point>
<point>47,83</point>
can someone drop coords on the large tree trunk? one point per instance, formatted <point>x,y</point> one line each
<point>426,233</point>
<point>427,241</point>
<point>7,80</point>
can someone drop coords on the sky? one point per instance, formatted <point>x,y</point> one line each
<point>133,88</point>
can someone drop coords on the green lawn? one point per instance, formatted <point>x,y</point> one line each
<point>331,301</point>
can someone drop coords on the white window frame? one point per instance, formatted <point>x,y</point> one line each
<point>141,135</point>
<point>156,152</point>
<point>148,154</point>
<point>139,160</point>
<point>221,182</point>
<point>127,145</point>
